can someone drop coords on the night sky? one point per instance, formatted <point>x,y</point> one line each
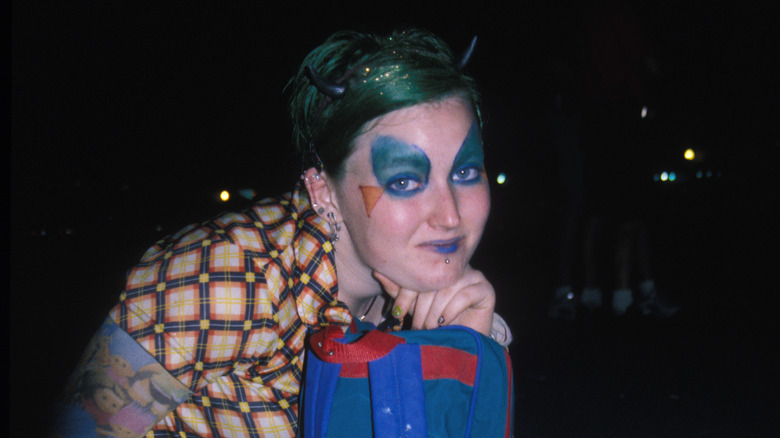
<point>129,118</point>
<point>159,106</point>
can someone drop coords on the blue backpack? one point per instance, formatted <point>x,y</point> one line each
<point>447,382</point>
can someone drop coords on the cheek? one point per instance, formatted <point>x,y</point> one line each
<point>476,201</point>
<point>389,229</point>
<point>395,217</point>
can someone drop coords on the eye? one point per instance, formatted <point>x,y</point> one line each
<point>404,185</point>
<point>466,174</point>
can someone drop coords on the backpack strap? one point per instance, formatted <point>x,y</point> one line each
<point>397,394</point>
<point>318,399</point>
<point>328,345</point>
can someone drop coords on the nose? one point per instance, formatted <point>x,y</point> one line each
<point>444,211</point>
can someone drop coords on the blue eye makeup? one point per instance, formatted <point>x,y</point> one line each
<point>470,161</point>
<point>402,169</point>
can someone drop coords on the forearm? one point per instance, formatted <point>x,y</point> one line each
<point>117,386</point>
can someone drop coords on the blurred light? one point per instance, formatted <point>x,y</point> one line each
<point>699,174</point>
<point>158,228</point>
<point>709,173</point>
<point>689,155</point>
<point>644,111</point>
<point>664,176</point>
<point>672,176</point>
<point>224,196</point>
<point>656,177</point>
<point>501,178</point>
<point>570,296</point>
<point>247,193</point>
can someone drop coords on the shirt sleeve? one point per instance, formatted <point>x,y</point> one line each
<point>217,306</point>
<point>500,331</point>
<point>200,305</point>
<point>213,306</point>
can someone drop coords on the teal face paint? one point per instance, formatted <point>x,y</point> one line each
<point>470,161</point>
<point>402,169</point>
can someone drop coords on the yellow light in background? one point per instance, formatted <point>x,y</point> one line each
<point>224,196</point>
<point>501,178</point>
<point>689,155</point>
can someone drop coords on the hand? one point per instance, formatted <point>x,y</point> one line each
<point>470,302</point>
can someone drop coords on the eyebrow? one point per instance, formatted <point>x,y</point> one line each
<point>471,150</point>
<point>391,157</point>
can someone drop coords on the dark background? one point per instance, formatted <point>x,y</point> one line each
<point>128,119</point>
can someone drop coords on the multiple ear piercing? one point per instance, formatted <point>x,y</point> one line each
<point>332,224</point>
<point>315,177</point>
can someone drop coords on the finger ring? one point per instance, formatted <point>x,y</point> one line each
<point>441,320</point>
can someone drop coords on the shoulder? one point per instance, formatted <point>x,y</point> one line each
<point>258,228</point>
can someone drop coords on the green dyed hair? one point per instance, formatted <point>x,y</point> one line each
<point>381,74</point>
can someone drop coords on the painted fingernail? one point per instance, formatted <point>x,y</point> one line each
<point>441,320</point>
<point>397,311</point>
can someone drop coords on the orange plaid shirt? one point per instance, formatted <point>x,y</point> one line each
<point>225,306</point>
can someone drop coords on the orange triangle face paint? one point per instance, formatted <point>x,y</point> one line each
<point>371,195</point>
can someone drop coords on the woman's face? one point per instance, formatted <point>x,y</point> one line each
<point>414,196</point>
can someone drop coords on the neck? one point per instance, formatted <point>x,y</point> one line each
<point>357,287</point>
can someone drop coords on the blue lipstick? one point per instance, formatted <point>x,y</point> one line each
<point>445,246</point>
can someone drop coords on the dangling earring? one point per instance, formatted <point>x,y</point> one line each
<point>334,227</point>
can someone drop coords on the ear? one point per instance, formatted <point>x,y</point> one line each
<point>321,193</point>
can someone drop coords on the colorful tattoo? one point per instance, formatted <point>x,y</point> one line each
<point>118,389</point>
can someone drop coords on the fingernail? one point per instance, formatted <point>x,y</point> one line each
<point>397,311</point>
<point>441,320</point>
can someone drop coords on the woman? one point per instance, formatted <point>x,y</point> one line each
<point>208,337</point>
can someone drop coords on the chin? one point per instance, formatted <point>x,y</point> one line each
<point>437,279</point>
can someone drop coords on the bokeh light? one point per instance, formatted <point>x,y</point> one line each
<point>248,193</point>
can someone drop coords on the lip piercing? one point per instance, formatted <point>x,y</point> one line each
<point>447,261</point>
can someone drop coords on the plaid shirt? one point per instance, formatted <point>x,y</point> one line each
<point>225,307</point>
